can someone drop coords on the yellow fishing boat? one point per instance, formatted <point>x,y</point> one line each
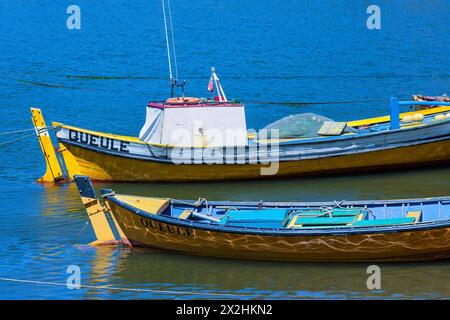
<point>190,139</point>
<point>373,230</point>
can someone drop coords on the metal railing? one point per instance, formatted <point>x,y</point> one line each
<point>395,108</point>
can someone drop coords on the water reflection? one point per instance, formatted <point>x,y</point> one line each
<point>59,198</point>
<point>384,185</point>
<point>142,268</point>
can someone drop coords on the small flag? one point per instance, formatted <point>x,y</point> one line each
<point>211,85</point>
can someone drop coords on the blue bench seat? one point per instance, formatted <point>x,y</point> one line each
<point>263,218</point>
<point>383,222</point>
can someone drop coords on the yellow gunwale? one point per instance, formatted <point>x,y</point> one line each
<point>382,119</point>
<point>356,123</point>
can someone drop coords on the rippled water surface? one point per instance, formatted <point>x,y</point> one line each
<point>102,76</point>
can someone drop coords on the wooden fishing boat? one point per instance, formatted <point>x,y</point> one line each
<point>375,230</point>
<point>436,99</point>
<point>192,139</point>
<point>399,140</point>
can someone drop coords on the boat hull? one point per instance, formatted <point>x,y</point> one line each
<point>109,167</point>
<point>416,243</point>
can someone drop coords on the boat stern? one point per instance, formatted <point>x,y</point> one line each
<point>106,229</point>
<point>53,172</point>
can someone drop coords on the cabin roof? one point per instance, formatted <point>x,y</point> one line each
<point>205,104</point>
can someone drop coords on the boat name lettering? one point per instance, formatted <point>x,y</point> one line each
<point>98,141</point>
<point>167,228</point>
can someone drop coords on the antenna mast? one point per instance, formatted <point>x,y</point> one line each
<point>173,81</point>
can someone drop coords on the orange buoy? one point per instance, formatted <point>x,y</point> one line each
<point>182,100</point>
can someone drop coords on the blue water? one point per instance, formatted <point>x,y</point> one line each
<point>102,76</point>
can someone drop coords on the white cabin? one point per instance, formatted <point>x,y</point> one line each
<point>183,123</point>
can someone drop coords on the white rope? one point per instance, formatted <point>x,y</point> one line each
<point>173,40</point>
<point>16,131</point>
<point>27,135</point>
<point>107,287</point>
<point>167,40</point>
<point>17,139</point>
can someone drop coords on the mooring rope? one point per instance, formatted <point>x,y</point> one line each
<point>17,139</point>
<point>16,131</point>
<point>82,230</point>
<point>300,103</point>
<point>45,129</point>
<point>108,287</point>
